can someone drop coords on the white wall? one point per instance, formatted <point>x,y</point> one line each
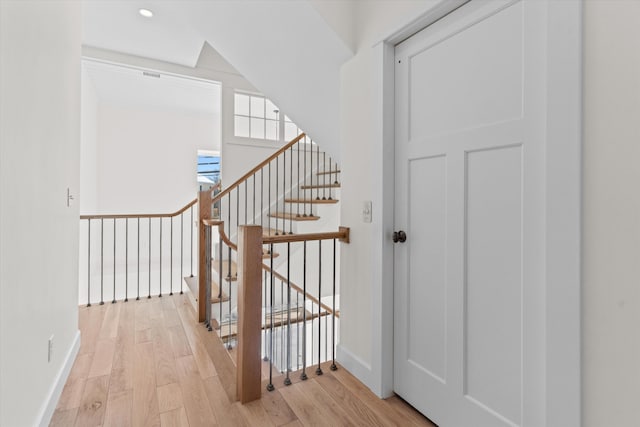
<point>361,178</point>
<point>611,209</point>
<point>89,146</point>
<point>39,159</point>
<point>147,158</point>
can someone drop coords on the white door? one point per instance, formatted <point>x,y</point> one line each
<point>469,280</point>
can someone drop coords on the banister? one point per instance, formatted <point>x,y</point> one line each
<point>220,225</point>
<point>342,235</point>
<point>262,164</point>
<point>265,267</point>
<point>122,216</point>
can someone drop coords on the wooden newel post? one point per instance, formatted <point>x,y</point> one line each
<point>248,382</point>
<point>204,212</point>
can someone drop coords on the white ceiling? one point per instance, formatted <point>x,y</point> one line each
<point>129,87</point>
<point>116,25</point>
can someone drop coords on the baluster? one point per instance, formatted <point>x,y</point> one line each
<point>287,380</point>
<point>281,327</point>
<point>160,277</point>
<point>191,245</point>
<point>138,248</point>
<point>269,200</point>
<point>284,191</point>
<point>181,249</point>
<point>319,369</point>
<point>299,183</point>
<point>89,263</point>
<point>297,330</point>
<point>333,313</point>
<point>245,202</point>
<point>149,294</point>
<point>171,259</point>
<point>304,205</point>
<point>324,176</point>
<point>114,261</point>
<point>270,386</point>
<point>264,328</point>
<point>291,192</point>
<point>126,260</point>
<point>317,170</point>
<point>303,376</point>
<point>101,261</point>
<point>277,194</point>
<point>330,175</point>
<point>220,249</point>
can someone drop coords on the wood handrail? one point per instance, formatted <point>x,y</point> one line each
<point>262,164</point>
<point>122,216</point>
<point>300,290</point>
<point>220,225</point>
<point>342,235</point>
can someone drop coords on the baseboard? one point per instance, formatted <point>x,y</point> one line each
<point>56,390</point>
<point>358,367</point>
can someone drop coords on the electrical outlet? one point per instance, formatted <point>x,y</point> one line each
<point>50,351</point>
<point>366,211</point>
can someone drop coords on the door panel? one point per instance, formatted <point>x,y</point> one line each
<point>469,178</point>
<point>493,280</point>
<point>426,299</point>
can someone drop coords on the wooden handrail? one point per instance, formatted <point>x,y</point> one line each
<point>119,216</point>
<point>262,164</point>
<point>220,225</point>
<point>265,267</point>
<point>342,235</point>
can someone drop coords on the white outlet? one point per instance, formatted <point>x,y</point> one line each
<point>50,352</point>
<point>366,211</point>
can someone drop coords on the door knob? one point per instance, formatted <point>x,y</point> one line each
<point>399,236</point>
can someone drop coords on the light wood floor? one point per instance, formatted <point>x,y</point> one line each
<point>148,363</point>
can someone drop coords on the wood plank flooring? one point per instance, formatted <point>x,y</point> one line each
<point>148,363</point>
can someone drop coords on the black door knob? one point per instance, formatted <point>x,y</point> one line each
<point>399,236</point>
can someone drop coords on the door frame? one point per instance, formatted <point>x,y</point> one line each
<point>563,206</point>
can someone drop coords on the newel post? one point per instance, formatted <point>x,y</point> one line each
<point>248,381</point>
<point>204,212</point>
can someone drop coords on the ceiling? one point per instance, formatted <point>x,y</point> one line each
<point>130,87</point>
<point>116,25</point>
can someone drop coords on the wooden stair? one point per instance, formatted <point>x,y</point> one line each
<point>226,330</point>
<point>192,283</point>
<point>294,217</point>
<point>225,270</point>
<point>312,201</point>
<point>328,172</point>
<point>309,187</point>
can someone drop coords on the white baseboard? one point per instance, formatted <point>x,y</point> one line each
<point>49,407</point>
<point>358,367</point>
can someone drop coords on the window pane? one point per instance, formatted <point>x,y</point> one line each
<point>272,130</point>
<point>290,131</point>
<point>242,104</point>
<point>242,126</point>
<point>270,113</point>
<point>257,128</point>
<point>257,106</point>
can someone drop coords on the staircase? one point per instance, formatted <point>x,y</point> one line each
<point>293,191</point>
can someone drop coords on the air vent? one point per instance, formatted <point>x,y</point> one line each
<point>150,74</point>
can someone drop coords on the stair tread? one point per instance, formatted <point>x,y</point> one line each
<point>192,283</point>
<point>312,201</point>
<point>294,217</point>
<point>225,270</point>
<point>328,172</point>
<point>308,187</point>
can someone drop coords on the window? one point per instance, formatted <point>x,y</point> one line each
<point>257,117</point>
<point>208,170</point>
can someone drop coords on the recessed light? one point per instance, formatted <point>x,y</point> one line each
<point>146,13</point>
